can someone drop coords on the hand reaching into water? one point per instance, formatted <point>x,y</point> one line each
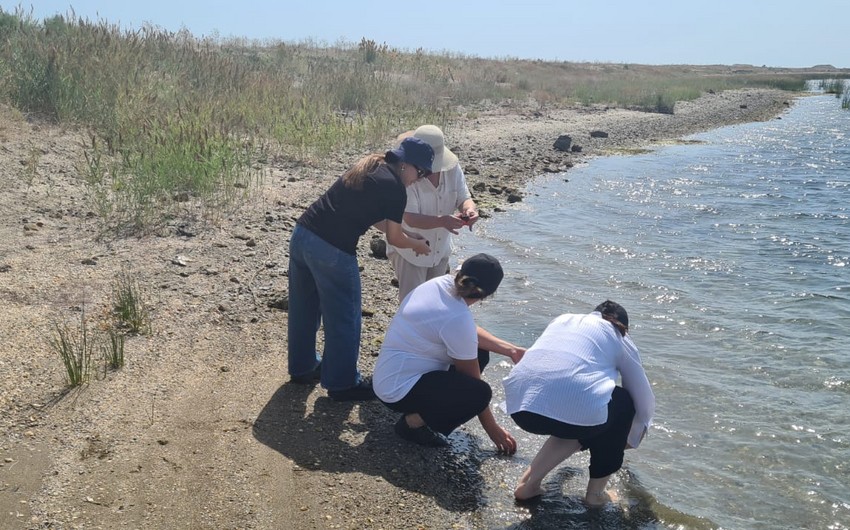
<point>505,443</point>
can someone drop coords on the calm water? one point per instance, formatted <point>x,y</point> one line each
<point>733,259</point>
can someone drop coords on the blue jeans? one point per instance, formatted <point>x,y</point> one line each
<point>324,286</point>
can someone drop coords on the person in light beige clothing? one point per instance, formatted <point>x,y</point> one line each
<point>438,206</point>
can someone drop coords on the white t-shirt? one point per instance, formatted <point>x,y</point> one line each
<point>426,199</point>
<point>569,373</point>
<point>432,327</point>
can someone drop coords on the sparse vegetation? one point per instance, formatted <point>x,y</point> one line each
<point>837,86</point>
<point>113,349</point>
<point>74,345</point>
<point>129,307</point>
<point>182,126</point>
<point>832,86</point>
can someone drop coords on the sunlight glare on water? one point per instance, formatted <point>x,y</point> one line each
<point>731,257</point>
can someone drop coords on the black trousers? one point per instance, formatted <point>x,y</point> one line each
<point>607,442</point>
<point>447,399</point>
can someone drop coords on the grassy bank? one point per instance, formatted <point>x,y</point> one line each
<point>174,120</point>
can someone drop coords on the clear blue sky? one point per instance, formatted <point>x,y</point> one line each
<point>758,32</point>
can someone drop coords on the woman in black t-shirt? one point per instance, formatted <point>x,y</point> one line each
<point>324,278</point>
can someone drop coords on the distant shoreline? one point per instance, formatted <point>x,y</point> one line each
<point>505,150</point>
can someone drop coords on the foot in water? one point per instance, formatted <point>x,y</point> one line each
<point>598,499</point>
<point>525,491</point>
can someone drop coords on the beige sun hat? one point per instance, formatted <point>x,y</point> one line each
<point>433,136</point>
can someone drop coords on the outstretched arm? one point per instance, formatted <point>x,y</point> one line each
<point>490,342</point>
<point>401,238</point>
<point>451,223</point>
<point>635,381</point>
<point>505,443</point>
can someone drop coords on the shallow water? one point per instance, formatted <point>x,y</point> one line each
<point>731,257</point>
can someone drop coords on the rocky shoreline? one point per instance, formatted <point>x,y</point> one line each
<point>201,429</point>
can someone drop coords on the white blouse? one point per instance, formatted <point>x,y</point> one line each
<point>570,372</point>
<point>426,199</point>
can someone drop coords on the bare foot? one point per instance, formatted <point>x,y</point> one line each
<point>524,491</point>
<point>597,499</point>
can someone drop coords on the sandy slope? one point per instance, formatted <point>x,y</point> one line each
<point>201,429</point>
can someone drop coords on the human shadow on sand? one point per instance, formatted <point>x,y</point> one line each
<point>358,437</point>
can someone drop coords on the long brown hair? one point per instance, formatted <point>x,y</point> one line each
<point>353,178</point>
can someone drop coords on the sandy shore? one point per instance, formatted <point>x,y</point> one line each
<point>201,428</point>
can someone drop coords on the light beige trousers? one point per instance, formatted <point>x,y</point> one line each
<point>410,276</point>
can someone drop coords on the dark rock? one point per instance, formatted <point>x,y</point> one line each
<point>281,303</point>
<point>514,197</point>
<point>598,134</point>
<point>89,261</point>
<point>576,148</point>
<point>184,232</point>
<point>479,186</point>
<point>562,143</point>
<point>378,246</point>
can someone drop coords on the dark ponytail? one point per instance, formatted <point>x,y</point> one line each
<point>615,314</point>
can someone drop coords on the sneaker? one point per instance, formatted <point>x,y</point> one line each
<point>310,378</point>
<point>362,391</point>
<point>421,435</point>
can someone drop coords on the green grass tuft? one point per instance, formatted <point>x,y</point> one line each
<point>112,350</point>
<point>75,347</point>
<point>129,306</point>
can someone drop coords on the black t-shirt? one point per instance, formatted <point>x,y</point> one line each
<point>342,214</point>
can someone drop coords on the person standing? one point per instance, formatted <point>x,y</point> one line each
<point>438,206</point>
<point>566,387</point>
<point>429,368</point>
<point>324,277</point>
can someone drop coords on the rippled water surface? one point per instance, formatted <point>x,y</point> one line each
<point>733,259</point>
